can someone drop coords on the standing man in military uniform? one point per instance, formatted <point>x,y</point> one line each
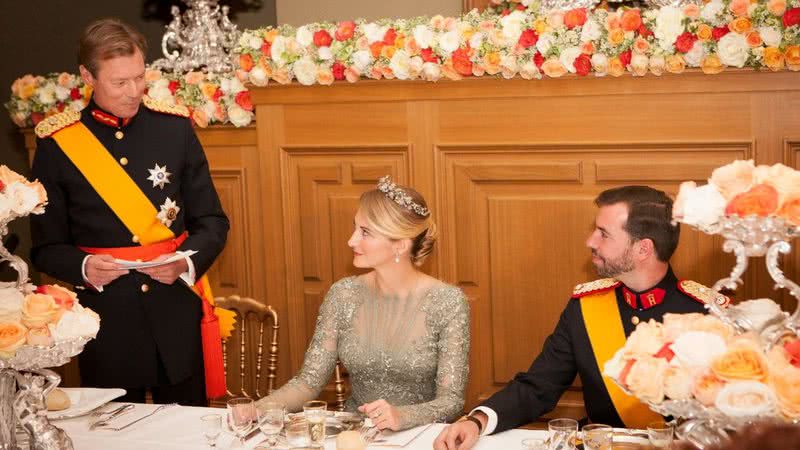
<point>127,179</point>
<point>631,245</point>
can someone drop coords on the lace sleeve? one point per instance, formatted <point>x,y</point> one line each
<point>320,358</point>
<point>453,366</point>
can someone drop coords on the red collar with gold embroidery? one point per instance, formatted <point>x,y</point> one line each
<point>109,119</point>
<point>646,299</point>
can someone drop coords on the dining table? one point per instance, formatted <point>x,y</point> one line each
<point>179,428</point>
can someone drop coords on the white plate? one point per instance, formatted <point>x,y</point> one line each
<point>84,401</point>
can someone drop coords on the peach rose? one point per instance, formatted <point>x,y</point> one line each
<point>675,64</point>
<point>657,64</point>
<point>785,380</point>
<point>65,79</point>
<point>793,57</point>
<point>40,336</point>
<point>706,387</point>
<point>63,297</point>
<point>491,63</point>
<point>8,176</point>
<point>38,310</point>
<point>647,339</point>
<point>246,62</point>
<point>553,68</point>
<point>740,8</point>
<point>761,200</point>
<point>783,178</point>
<point>587,48</point>
<point>646,379</point>
<point>734,178</point>
<point>754,39</point>
<point>640,45</point>
<point>704,32</point>
<point>556,19</point>
<point>282,76</point>
<point>200,117</point>
<point>773,58</point>
<point>194,77</point>
<point>387,72</point>
<point>486,26</point>
<point>692,11</point>
<point>324,76</point>
<point>776,7</point>
<point>639,64</point>
<point>208,90</point>
<point>790,210</point>
<point>713,325</point>
<point>742,361</point>
<point>615,67</point>
<point>12,337</point>
<point>152,75</point>
<point>540,25</point>
<point>352,74</point>
<point>616,36</point>
<point>677,383</point>
<point>740,25</point>
<point>631,20</point>
<point>412,47</point>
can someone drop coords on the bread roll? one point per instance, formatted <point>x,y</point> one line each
<point>350,440</point>
<point>57,400</point>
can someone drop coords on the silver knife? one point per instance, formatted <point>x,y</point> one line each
<point>252,434</point>
<point>112,416</point>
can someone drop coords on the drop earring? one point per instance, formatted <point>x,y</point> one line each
<point>396,258</point>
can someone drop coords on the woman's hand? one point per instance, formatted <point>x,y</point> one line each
<point>383,415</point>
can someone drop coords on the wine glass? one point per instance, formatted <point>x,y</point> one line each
<point>241,415</point>
<point>314,412</point>
<point>562,434</point>
<point>270,421</point>
<point>597,436</point>
<point>211,425</point>
<point>660,434</point>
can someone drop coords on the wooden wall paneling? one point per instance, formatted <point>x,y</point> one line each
<point>791,262</point>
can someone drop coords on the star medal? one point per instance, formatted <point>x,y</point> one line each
<point>159,176</point>
<point>169,211</point>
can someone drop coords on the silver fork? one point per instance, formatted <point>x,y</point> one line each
<point>99,412</point>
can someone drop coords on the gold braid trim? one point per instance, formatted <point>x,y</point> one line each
<point>166,108</point>
<point>602,284</point>
<point>703,294</point>
<point>50,125</point>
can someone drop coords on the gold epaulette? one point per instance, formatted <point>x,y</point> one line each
<point>50,125</point>
<point>593,287</point>
<point>703,294</point>
<point>166,108</point>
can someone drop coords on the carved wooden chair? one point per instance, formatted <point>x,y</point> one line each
<point>247,343</point>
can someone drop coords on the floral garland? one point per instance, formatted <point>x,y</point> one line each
<point>210,98</point>
<point>530,43</point>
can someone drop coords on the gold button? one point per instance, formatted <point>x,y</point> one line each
<point>123,161</point>
<point>145,287</point>
<point>635,320</point>
<point>119,134</point>
<point>135,238</point>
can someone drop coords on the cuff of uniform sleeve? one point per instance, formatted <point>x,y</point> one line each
<point>491,422</point>
<point>188,277</point>
<point>85,278</point>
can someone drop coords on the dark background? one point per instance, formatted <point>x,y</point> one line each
<point>39,37</point>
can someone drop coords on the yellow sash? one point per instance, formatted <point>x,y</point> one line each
<point>606,335</point>
<point>124,197</point>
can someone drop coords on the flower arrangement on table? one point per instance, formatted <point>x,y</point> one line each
<point>211,99</point>
<point>530,43</point>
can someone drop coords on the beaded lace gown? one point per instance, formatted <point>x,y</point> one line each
<point>412,352</point>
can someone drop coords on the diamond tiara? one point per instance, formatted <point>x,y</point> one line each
<point>390,190</point>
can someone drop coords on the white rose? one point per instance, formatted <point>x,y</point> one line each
<point>238,116</point>
<point>431,71</point>
<point>416,67</point>
<point>304,36</point>
<point>526,2</point>
<point>711,10</point>
<point>23,199</point>
<point>696,349</point>
<point>568,56</point>
<point>231,86</point>
<point>529,71</point>
<point>600,64</point>
<point>449,41</point>
<point>159,90</point>
<point>80,322</point>
<point>746,399</point>
<point>62,93</point>
<point>669,25</point>
<point>277,50</point>
<point>5,206</point>
<point>210,108</point>
<point>374,32</point>
<point>305,71</point>
<point>511,25</point>
<point>362,59</point>
<point>703,206</point>
<point>255,42</point>
<point>400,64</point>
<point>244,39</point>
<point>733,50</point>
<point>694,57</point>
<point>423,35</point>
<point>759,312</point>
<point>509,66</point>
<point>591,31</point>
<point>546,40</point>
<point>771,36</point>
<point>10,297</point>
<point>476,40</point>
<point>47,94</point>
<point>258,76</point>
<point>325,53</point>
<point>77,105</point>
<point>639,63</point>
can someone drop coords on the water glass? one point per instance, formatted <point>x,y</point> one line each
<point>314,412</point>
<point>597,436</point>
<point>241,415</point>
<point>211,424</point>
<point>660,434</point>
<point>562,434</point>
<point>297,434</point>
<point>534,444</point>
<point>270,421</point>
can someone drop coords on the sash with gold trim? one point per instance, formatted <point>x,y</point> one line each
<point>603,323</point>
<point>139,216</point>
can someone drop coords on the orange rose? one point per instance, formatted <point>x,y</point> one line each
<point>675,64</point>
<point>615,67</point>
<point>760,200</point>
<point>773,58</point>
<point>754,39</point>
<point>587,48</point>
<point>706,387</point>
<point>324,77</point>
<point>640,45</point>
<point>740,8</point>
<point>793,57</point>
<point>711,65</point>
<point>491,63</point>
<point>38,310</point>
<point>412,47</point>
<point>704,32</point>
<point>741,362</point>
<point>246,62</point>
<point>12,337</point>
<point>388,51</point>
<point>208,90</point>
<point>776,7</point>
<point>270,35</point>
<point>575,18</point>
<point>553,68</point>
<point>39,336</point>
<point>791,211</point>
<point>631,20</point>
<point>540,25</point>
<point>740,25</point>
<point>352,74</point>
<point>616,36</point>
<point>612,22</point>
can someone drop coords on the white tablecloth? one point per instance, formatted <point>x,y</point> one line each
<point>178,428</point>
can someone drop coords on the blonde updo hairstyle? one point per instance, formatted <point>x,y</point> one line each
<point>398,222</point>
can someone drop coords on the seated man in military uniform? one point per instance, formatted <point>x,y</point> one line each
<point>631,244</point>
